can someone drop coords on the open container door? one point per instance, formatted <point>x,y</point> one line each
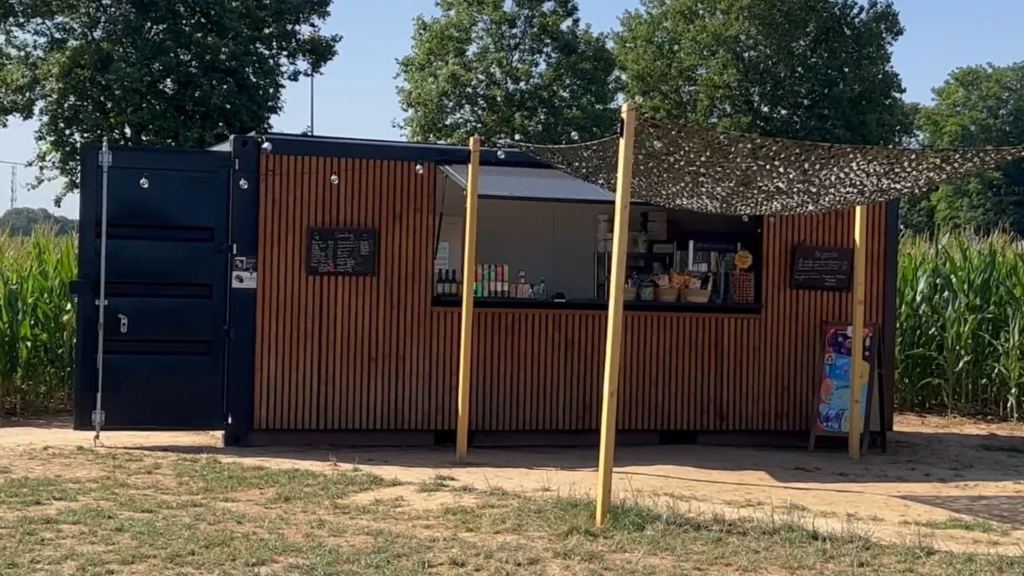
<point>162,268</point>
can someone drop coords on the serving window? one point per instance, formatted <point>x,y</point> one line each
<point>556,253</point>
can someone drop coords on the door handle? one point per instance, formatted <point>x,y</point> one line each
<point>124,323</point>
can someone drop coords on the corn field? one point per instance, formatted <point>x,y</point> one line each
<point>37,322</point>
<point>960,326</point>
<point>959,343</point>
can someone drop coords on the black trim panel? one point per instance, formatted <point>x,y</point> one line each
<point>597,305</point>
<point>244,234</point>
<point>400,151</point>
<point>891,270</point>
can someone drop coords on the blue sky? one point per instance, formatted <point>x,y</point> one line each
<point>356,96</point>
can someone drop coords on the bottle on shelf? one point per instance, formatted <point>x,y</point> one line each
<point>439,283</point>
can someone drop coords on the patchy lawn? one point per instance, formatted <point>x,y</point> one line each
<point>119,512</point>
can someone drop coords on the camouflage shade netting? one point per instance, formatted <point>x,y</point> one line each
<point>704,170</point>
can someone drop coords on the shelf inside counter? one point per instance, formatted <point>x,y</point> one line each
<point>596,304</point>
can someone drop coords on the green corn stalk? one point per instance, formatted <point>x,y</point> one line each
<point>37,323</point>
<point>960,325</point>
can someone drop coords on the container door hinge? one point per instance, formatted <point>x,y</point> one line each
<point>99,416</point>
<point>106,158</point>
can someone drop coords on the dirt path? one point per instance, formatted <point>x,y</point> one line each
<point>957,483</point>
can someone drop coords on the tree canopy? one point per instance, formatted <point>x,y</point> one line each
<point>977,106</point>
<point>501,68</point>
<point>23,221</point>
<point>167,72</point>
<point>816,70</point>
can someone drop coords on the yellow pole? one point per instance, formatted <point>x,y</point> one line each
<point>859,374</point>
<point>613,344</point>
<point>468,277</point>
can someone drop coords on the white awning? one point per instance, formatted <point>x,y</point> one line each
<point>530,184</point>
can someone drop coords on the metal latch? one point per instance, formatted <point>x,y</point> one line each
<point>106,158</point>
<point>124,323</point>
<point>99,416</point>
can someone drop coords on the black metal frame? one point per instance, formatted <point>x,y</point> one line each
<point>888,357</point>
<point>86,313</point>
<point>240,377</point>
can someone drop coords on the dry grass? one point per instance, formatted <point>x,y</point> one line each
<point>119,513</point>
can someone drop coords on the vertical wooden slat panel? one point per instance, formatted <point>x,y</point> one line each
<point>333,334</point>
<point>263,318</point>
<point>289,237</point>
<point>372,353</point>
<point>321,383</point>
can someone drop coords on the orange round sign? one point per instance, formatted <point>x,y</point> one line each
<point>743,259</point>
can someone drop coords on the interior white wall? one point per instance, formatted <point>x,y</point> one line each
<point>551,240</point>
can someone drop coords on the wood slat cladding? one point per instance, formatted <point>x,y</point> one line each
<point>351,353</point>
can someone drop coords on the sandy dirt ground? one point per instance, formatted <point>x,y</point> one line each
<point>935,469</point>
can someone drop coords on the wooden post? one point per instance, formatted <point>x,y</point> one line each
<point>617,283</point>
<point>858,375</point>
<point>468,277</point>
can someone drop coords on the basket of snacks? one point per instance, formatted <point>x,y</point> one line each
<point>667,287</point>
<point>646,292</point>
<point>697,288</point>
<point>696,295</point>
<point>668,294</point>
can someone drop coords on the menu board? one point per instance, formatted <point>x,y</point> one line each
<point>822,268</point>
<point>832,404</point>
<point>341,252</point>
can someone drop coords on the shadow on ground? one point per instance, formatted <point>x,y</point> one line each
<point>1003,509</point>
<point>911,458</point>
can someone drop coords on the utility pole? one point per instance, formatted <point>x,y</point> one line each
<point>14,186</point>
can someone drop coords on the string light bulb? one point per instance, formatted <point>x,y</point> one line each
<point>575,136</point>
<point>144,182</point>
<point>335,179</point>
<point>658,144</point>
<point>501,154</point>
<point>419,168</point>
<point>243,184</point>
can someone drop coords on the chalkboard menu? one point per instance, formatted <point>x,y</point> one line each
<point>342,252</point>
<point>822,268</point>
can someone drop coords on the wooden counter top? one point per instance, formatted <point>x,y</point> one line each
<point>594,305</point>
